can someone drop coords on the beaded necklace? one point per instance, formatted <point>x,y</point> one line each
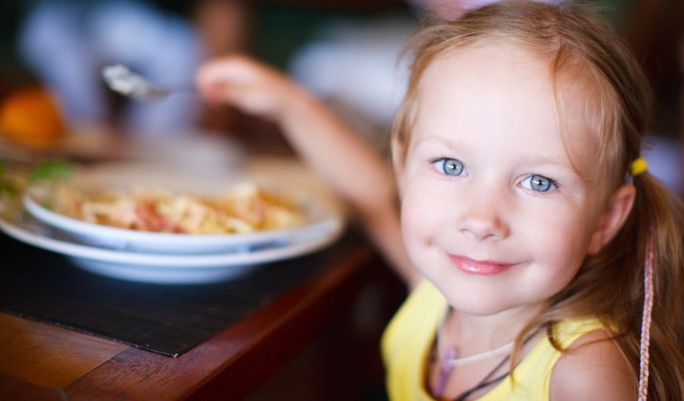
<point>451,360</point>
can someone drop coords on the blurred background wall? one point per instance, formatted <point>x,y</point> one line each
<point>302,36</point>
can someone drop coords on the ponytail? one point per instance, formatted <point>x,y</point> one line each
<point>657,217</point>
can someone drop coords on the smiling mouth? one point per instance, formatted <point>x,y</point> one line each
<point>483,268</point>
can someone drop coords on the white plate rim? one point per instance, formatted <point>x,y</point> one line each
<point>184,243</point>
<point>121,238</point>
<point>83,227</point>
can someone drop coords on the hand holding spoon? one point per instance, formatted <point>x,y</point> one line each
<point>122,80</point>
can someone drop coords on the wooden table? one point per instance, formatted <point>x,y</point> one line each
<point>44,362</point>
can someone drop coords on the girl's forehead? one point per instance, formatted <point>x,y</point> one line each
<point>511,69</point>
<point>493,71</point>
<point>500,54</point>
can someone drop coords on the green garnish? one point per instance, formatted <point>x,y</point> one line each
<point>51,170</point>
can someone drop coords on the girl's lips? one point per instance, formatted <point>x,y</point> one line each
<point>483,268</point>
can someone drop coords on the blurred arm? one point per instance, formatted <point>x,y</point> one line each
<point>349,165</point>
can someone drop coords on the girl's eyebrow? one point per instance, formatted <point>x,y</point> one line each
<point>457,143</point>
<point>535,161</point>
<point>438,140</point>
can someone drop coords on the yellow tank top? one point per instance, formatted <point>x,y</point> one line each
<point>407,342</point>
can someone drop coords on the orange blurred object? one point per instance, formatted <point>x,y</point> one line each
<point>32,117</point>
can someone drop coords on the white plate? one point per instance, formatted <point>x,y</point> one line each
<point>167,269</point>
<point>318,213</point>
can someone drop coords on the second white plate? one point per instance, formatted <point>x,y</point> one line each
<point>167,269</point>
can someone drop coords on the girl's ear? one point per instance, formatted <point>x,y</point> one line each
<point>613,218</point>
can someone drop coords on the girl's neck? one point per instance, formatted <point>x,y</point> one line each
<point>479,344</point>
<point>473,334</point>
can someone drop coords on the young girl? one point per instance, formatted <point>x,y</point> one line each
<point>540,238</point>
<point>512,150</point>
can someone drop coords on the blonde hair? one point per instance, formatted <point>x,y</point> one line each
<point>582,52</point>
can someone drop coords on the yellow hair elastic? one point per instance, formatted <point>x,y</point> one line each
<point>638,166</point>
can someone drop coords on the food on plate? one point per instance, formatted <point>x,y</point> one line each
<point>32,117</point>
<point>244,209</point>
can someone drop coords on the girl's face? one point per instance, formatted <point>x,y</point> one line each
<point>498,209</point>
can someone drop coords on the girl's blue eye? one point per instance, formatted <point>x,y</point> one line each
<point>539,183</point>
<point>451,167</point>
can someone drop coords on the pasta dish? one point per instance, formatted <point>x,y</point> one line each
<point>246,208</point>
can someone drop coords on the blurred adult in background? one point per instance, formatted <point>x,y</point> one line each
<point>66,43</point>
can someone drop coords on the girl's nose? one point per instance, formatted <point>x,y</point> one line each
<point>483,216</point>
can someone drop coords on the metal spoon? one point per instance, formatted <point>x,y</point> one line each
<point>122,80</point>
